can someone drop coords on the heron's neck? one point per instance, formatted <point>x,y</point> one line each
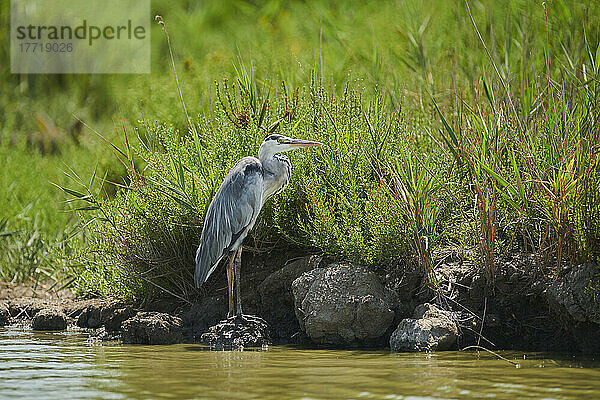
<point>276,172</point>
<point>265,155</point>
<point>269,161</point>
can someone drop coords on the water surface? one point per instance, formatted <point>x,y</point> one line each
<point>66,366</point>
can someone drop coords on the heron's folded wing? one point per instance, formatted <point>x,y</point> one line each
<point>234,207</point>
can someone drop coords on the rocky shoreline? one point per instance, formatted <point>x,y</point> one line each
<point>313,302</point>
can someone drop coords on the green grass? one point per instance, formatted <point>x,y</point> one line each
<point>431,143</point>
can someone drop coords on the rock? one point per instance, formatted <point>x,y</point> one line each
<point>204,314</point>
<point>431,329</point>
<point>571,298</point>
<point>277,300</point>
<point>152,328</point>
<point>27,308</point>
<point>570,294</point>
<point>49,319</point>
<point>90,317</point>
<point>237,333</point>
<point>4,315</point>
<point>342,305</point>
<point>101,334</point>
<point>109,314</point>
<point>75,307</point>
<point>117,315</point>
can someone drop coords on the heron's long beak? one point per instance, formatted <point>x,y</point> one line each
<point>302,143</point>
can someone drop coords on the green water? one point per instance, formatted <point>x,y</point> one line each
<point>65,366</point>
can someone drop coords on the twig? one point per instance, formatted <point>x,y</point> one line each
<point>482,319</point>
<point>476,333</point>
<point>161,288</point>
<point>517,365</point>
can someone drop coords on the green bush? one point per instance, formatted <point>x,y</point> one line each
<point>339,200</point>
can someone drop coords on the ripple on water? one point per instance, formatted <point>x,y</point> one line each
<point>55,365</point>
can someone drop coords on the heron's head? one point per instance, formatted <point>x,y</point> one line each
<point>278,144</point>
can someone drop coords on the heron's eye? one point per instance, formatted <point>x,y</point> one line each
<point>279,141</point>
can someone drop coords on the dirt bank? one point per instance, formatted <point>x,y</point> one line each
<point>523,308</point>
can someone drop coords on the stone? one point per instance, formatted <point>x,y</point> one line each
<point>204,314</point>
<point>90,317</point>
<point>102,335</point>
<point>431,329</point>
<point>109,314</point>
<point>277,299</point>
<point>27,308</point>
<point>152,328</point>
<point>571,294</point>
<point>237,333</point>
<point>4,315</point>
<point>49,319</point>
<point>343,305</point>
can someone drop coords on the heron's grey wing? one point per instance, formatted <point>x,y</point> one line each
<point>230,215</point>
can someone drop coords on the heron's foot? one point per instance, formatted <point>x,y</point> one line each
<point>241,319</point>
<point>238,332</point>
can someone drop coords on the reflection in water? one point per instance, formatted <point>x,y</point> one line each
<point>64,365</point>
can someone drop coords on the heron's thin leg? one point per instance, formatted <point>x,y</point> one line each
<point>230,279</point>
<point>238,267</point>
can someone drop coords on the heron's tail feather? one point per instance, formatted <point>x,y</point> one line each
<point>200,274</point>
<point>203,268</point>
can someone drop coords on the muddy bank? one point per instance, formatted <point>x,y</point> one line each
<point>311,301</point>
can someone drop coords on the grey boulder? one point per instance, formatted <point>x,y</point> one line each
<point>49,319</point>
<point>4,315</point>
<point>431,329</point>
<point>152,328</point>
<point>277,299</point>
<point>571,295</point>
<point>109,314</point>
<point>342,305</point>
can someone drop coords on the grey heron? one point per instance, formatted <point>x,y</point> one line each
<point>235,207</point>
